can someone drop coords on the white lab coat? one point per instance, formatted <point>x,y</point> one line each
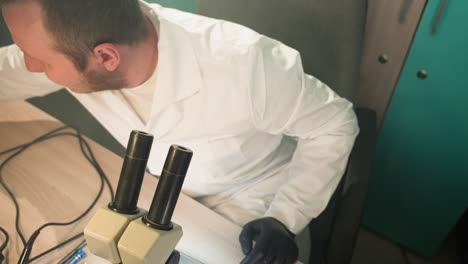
<point>231,95</point>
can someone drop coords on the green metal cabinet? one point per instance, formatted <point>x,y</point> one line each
<point>184,5</point>
<point>419,186</point>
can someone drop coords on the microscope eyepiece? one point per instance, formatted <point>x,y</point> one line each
<point>139,145</point>
<point>169,187</point>
<point>133,170</point>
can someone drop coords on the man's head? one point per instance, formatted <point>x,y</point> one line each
<point>76,42</point>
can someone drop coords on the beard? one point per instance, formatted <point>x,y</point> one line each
<point>95,81</point>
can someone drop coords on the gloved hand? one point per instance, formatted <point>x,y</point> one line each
<point>174,258</point>
<point>273,242</point>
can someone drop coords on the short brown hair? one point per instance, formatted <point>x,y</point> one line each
<point>78,26</point>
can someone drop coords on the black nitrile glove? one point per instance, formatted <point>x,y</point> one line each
<point>273,242</point>
<point>174,258</point>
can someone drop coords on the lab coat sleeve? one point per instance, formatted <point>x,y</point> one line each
<point>284,100</point>
<point>16,82</point>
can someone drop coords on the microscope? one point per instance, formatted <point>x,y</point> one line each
<point>123,233</point>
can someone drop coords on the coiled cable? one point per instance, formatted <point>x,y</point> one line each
<point>88,154</point>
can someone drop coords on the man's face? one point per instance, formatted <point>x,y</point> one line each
<point>24,21</point>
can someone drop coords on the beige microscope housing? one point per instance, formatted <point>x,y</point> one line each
<point>152,238</point>
<point>105,228</point>
<point>141,244</point>
<point>104,231</point>
<point>123,233</point>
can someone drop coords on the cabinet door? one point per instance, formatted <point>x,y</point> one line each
<point>185,5</point>
<point>419,186</point>
<point>390,29</point>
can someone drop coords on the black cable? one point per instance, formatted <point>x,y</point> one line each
<point>5,186</point>
<point>92,160</point>
<point>96,165</point>
<point>40,138</point>
<point>24,257</point>
<point>88,154</point>
<point>4,244</point>
<point>56,247</point>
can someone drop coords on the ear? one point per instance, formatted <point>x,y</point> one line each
<point>107,55</point>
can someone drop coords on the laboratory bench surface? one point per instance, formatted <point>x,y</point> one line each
<point>54,182</point>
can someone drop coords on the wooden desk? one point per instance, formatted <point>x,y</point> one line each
<point>54,182</point>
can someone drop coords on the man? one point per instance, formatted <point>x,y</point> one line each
<point>270,142</point>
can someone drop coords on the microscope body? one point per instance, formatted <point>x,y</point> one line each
<point>123,233</point>
<point>141,244</point>
<point>104,230</point>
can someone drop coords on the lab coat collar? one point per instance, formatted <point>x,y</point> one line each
<point>177,73</point>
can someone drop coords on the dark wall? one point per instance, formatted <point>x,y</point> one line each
<point>328,33</point>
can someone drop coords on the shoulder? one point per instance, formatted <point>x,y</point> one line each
<point>220,38</point>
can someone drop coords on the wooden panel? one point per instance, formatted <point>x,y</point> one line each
<point>389,30</point>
